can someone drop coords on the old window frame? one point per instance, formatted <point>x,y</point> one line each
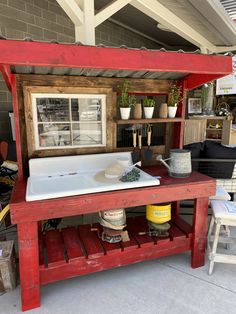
<point>108,137</point>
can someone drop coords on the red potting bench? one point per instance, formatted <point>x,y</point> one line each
<point>76,251</point>
<point>57,255</point>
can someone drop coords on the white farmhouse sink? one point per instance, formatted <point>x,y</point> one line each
<point>55,177</point>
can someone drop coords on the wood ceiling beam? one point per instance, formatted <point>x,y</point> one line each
<point>109,10</point>
<point>161,14</point>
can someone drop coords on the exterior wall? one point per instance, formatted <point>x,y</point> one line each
<point>44,20</point>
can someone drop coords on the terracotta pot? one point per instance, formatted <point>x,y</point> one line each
<point>163,112</point>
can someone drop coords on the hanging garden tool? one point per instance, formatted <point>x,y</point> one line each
<point>140,142</point>
<point>148,152</point>
<point>135,153</point>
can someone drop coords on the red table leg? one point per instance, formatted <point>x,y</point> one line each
<point>29,265</point>
<point>199,232</point>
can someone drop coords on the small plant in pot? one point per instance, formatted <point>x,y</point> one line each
<point>125,100</point>
<point>175,97</point>
<point>148,105</point>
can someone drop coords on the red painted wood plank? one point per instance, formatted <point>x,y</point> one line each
<point>6,73</point>
<point>171,189</point>
<point>72,243</point>
<point>175,232</point>
<point>90,241</point>
<point>102,262</point>
<point>182,225</point>
<point>29,265</point>
<point>134,228</point>
<point>61,55</point>
<point>54,246</point>
<point>199,232</point>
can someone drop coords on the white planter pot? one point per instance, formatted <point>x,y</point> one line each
<point>172,112</point>
<point>148,112</point>
<point>125,113</point>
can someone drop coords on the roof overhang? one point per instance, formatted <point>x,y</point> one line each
<point>195,69</point>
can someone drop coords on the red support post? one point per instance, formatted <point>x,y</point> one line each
<point>29,265</point>
<point>199,232</point>
<point>17,129</point>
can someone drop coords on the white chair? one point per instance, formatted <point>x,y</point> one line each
<point>223,215</point>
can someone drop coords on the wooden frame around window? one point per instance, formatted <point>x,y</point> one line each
<point>34,151</point>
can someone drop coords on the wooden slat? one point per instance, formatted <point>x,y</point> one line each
<point>55,247</point>
<point>129,245</point>
<point>102,262</point>
<point>72,242</point>
<point>175,232</point>
<point>134,229</point>
<point>183,226</point>
<point>90,241</point>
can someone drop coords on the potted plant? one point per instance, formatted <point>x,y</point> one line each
<point>175,97</point>
<point>148,104</point>
<point>125,100</point>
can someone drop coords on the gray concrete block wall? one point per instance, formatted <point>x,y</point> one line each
<point>45,20</point>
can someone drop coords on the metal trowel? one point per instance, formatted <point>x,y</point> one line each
<point>148,152</point>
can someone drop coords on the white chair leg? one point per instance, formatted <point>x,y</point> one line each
<point>214,247</point>
<point>227,231</point>
<point>210,227</point>
<point>210,233</point>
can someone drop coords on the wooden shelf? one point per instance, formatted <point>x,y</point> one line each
<point>78,250</point>
<point>143,121</point>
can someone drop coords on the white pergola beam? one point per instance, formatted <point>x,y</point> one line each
<point>221,49</point>
<point>109,10</point>
<point>161,14</point>
<point>73,10</point>
<point>85,32</point>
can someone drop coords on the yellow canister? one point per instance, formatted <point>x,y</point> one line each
<point>158,213</point>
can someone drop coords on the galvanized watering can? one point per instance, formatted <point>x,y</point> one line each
<point>179,163</point>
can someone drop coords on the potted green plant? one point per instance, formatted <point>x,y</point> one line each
<point>125,100</point>
<point>148,105</point>
<point>175,97</point>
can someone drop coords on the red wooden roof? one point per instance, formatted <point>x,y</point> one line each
<point>51,58</point>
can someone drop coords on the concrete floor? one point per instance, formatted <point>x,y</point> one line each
<point>165,285</point>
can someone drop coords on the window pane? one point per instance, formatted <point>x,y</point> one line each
<point>87,133</point>
<point>52,109</point>
<point>90,109</point>
<point>75,109</point>
<point>54,134</point>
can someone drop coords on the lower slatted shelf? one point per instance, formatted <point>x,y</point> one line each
<point>79,250</point>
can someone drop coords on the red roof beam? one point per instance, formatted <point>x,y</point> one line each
<point>196,80</point>
<point>62,55</point>
<point>6,73</point>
